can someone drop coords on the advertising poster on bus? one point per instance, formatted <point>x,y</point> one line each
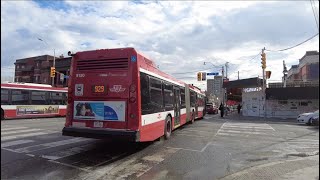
<point>99,110</point>
<point>37,109</point>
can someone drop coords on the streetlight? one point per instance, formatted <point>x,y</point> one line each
<point>54,58</point>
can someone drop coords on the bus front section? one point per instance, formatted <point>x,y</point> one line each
<point>102,95</point>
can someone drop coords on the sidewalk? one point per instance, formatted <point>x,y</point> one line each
<point>300,168</point>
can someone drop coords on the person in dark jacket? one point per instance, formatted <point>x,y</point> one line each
<point>221,108</point>
<point>239,107</point>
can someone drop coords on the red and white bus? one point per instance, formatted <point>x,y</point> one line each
<point>29,100</point>
<point>119,93</point>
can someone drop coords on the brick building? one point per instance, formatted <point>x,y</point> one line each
<point>37,70</point>
<point>307,69</point>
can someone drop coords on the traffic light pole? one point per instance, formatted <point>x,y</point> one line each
<point>54,65</point>
<point>264,88</point>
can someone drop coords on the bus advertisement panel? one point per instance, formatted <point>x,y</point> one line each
<point>99,110</point>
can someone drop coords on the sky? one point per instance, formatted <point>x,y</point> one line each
<point>179,36</point>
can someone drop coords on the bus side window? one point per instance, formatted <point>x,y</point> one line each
<point>20,97</point>
<point>183,98</point>
<point>168,96</point>
<point>4,96</point>
<point>145,94</point>
<point>156,96</point>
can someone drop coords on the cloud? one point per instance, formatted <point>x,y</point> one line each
<point>178,36</point>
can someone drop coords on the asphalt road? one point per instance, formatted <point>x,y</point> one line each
<point>212,148</point>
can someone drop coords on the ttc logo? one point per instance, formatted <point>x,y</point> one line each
<point>117,88</point>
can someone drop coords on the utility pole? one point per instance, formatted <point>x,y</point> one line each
<point>222,89</point>
<point>238,75</point>
<point>227,69</point>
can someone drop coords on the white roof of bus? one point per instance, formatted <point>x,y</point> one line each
<point>28,84</point>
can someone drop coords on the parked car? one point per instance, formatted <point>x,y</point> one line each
<point>306,118</point>
<point>211,109</point>
<point>315,121</point>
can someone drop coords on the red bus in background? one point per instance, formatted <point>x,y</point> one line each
<point>119,93</point>
<point>29,100</point>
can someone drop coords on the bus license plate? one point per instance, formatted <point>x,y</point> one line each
<point>98,124</point>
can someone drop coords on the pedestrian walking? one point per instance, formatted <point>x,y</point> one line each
<point>239,107</point>
<point>221,108</point>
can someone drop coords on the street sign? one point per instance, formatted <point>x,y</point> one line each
<point>61,77</point>
<point>213,74</point>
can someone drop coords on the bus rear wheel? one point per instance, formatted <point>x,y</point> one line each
<point>167,128</point>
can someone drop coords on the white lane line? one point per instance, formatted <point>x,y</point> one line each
<point>241,132</point>
<point>50,145</point>
<point>19,131</point>
<point>242,127</point>
<point>6,138</point>
<point>303,140</point>
<point>66,152</point>
<point>12,143</point>
<point>13,128</point>
<point>248,129</point>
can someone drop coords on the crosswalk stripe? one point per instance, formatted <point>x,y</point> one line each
<point>6,138</point>
<point>231,125</point>
<point>19,131</point>
<point>66,152</point>
<point>12,143</point>
<point>241,132</point>
<point>50,145</point>
<point>246,129</point>
<point>13,128</point>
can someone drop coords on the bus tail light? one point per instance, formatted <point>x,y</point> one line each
<point>132,99</point>
<point>133,88</point>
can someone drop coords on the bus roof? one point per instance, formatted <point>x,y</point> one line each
<point>31,86</point>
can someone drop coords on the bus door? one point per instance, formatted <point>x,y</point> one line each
<point>176,106</point>
<point>196,105</point>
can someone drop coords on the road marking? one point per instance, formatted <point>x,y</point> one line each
<point>12,143</point>
<point>66,153</point>
<point>192,135</point>
<point>257,127</point>
<point>6,138</point>
<point>241,132</point>
<point>50,145</point>
<point>13,128</point>
<point>19,131</point>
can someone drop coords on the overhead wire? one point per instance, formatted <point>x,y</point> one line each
<point>314,10</point>
<point>295,45</point>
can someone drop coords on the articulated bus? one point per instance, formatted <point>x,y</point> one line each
<point>119,93</point>
<point>29,100</point>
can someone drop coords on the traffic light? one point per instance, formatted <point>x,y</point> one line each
<point>263,60</point>
<point>52,72</point>
<point>268,74</point>
<point>199,76</point>
<point>204,76</point>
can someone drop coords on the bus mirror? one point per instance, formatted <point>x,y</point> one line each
<point>70,53</point>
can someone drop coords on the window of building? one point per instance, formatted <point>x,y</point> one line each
<point>22,66</point>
